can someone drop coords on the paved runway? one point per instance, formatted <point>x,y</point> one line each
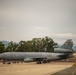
<point>69,71</point>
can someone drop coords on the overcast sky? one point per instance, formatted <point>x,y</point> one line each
<point>27,19</point>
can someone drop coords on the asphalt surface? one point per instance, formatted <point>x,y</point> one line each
<point>69,71</point>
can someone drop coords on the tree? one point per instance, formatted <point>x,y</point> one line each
<point>22,46</point>
<point>29,46</point>
<point>43,44</point>
<point>2,48</point>
<point>12,47</point>
<point>48,44</point>
<point>37,44</point>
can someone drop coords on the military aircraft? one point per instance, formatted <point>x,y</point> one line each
<point>39,57</point>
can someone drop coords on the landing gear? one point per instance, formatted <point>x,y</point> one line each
<point>9,62</point>
<point>39,61</point>
<point>6,62</point>
<point>44,61</point>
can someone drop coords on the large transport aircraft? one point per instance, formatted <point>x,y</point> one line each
<point>39,57</point>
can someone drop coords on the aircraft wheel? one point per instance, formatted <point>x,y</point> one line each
<point>39,62</point>
<point>4,62</point>
<point>9,63</point>
<point>44,61</point>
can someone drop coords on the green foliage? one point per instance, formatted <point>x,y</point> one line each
<point>35,45</point>
<point>2,48</point>
<point>11,47</point>
<point>43,44</point>
<point>24,46</point>
<point>21,46</point>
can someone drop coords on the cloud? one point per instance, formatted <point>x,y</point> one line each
<point>2,28</point>
<point>62,37</point>
<point>65,35</point>
<point>26,19</point>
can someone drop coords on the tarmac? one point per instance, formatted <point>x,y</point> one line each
<point>52,68</point>
<point>69,71</point>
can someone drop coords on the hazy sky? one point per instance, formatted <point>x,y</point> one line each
<point>27,19</point>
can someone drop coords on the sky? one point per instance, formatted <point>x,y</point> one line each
<point>27,19</point>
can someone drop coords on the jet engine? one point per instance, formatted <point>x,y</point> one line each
<point>28,59</point>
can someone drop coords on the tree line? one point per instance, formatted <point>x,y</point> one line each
<point>35,45</point>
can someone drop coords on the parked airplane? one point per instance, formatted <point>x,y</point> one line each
<point>39,57</point>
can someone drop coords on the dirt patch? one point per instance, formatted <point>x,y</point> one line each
<point>32,68</point>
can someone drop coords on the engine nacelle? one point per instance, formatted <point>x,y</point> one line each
<point>28,59</point>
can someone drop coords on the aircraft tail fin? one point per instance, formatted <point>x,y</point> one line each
<point>68,44</point>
